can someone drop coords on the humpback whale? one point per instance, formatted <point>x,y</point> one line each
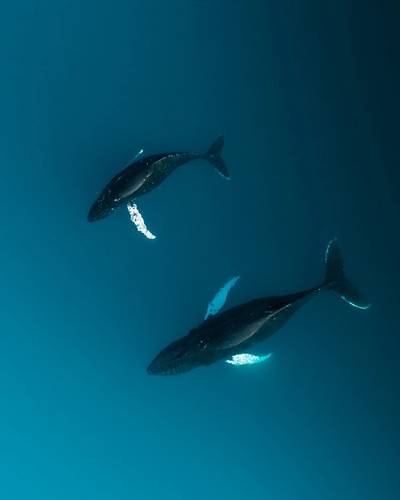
<point>146,173</point>
<point>230,335</point>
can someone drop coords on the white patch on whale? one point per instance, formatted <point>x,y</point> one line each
<point>137,219</point>
<point>247,359</point>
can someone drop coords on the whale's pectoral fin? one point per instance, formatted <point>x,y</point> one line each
<point>137,155</point>
<point>247,359</point>
<point>137,219</point>
<point>219,299</point>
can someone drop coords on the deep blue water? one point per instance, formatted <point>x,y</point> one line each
<point>306,95</point>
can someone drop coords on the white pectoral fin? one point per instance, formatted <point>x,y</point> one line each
<point>219,299</point>
<point>137,155</point>
<point>247,359</point>
<point>137,219</point>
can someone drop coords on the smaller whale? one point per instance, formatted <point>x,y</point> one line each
<point>146,173</point>
<point>231,335</point>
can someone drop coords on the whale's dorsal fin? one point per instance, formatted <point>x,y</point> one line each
<point>220,297</point>
<point>247,359</point>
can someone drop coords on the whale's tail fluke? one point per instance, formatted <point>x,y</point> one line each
<point>213,155</point>
<point>336,280</point>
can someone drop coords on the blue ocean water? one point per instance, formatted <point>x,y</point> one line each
<point>306,95</point>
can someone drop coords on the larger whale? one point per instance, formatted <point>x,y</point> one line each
<point>145,174</point>
<point>229,334</point>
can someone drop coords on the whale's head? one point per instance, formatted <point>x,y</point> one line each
<point>180,356</point>
<point>102,207</point>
